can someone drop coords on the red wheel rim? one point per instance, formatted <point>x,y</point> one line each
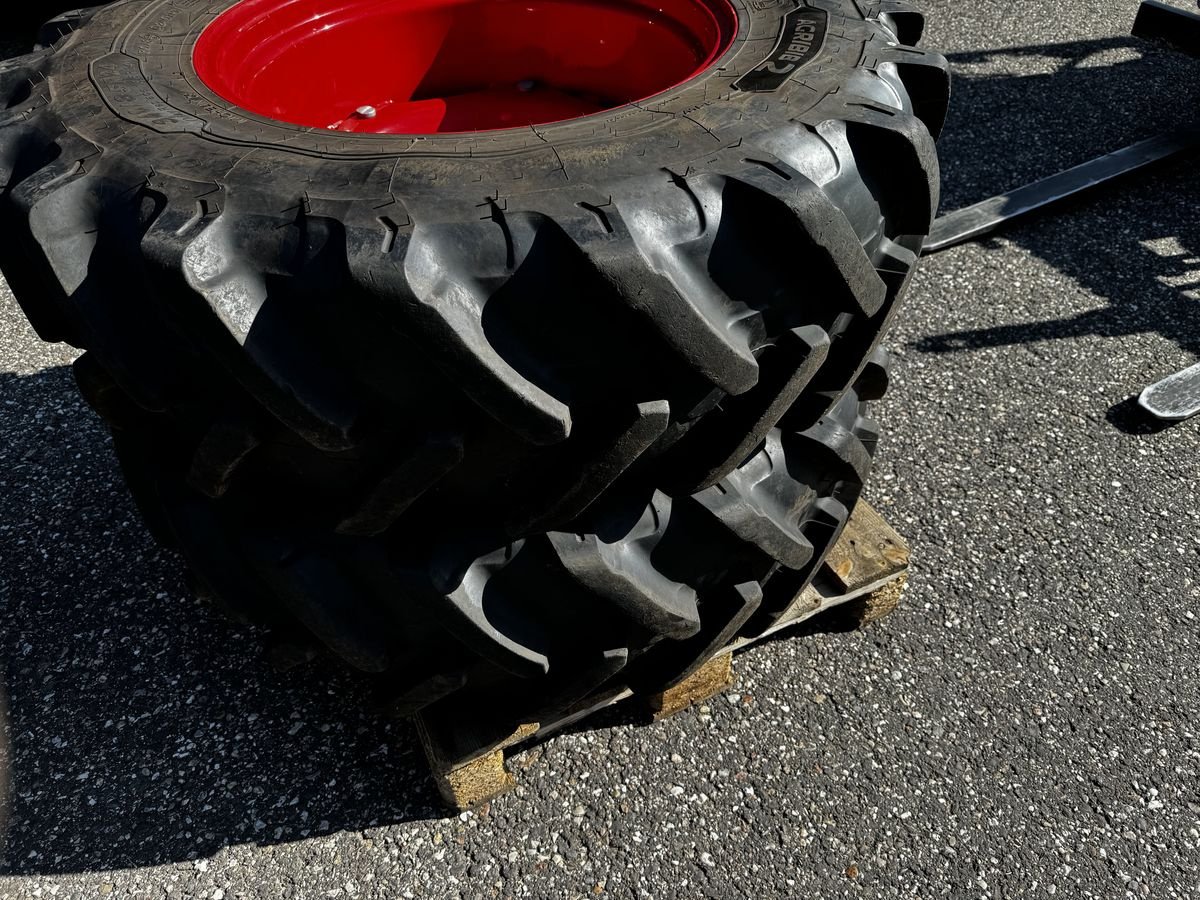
<point>436,66</point>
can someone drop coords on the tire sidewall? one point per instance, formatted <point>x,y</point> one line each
<point>148,78</point>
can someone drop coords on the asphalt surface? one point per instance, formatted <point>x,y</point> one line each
<point>1025,726</point>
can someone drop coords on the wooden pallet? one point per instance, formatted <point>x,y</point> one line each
<point>860,581</point>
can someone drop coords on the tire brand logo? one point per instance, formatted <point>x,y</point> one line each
<point>800,40</point>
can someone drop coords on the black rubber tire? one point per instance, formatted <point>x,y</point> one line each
<point>571,405</point>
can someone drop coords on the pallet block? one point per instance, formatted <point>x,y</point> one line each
<point>709,680</point>
<point>860,582</point>
<point>465,785</point>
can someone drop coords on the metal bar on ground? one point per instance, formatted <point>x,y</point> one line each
<point>988,216</point>
<point>1162,22</point>
<point>1175,398</point>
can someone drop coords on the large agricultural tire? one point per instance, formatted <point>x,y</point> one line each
<point>563,407</point>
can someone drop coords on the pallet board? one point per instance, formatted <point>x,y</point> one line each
<point>860,582</point>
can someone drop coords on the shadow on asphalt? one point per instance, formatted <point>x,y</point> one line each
<point>1145,289</point>
<point>144,727</point>
<point>1087,97</point>
<point>1142,258</point>
<point>1129,417</point>
<point>16,38</point>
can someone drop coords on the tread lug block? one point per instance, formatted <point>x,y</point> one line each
<point>926,78</point>
<point>836,267</point>
<point>25,268</point>
<point>564,495</point>
<point>826,521</point>
<point>896,265</point>
<point>883,139</point>
<point>817,152</point>
<point>678,227</point>
<point>479,613</point>
<point>695,405</point>
<point>419,469</point>
<point>63,25</point>
<point>83,228</point>
<point>414,689</point>
<point>813,404</point>
<point>271,315</point>
<point>726,611</point>
<point>17,143</point>
<point>328,603</point>
<point>762,504</point>
<point>19,77</point>
<point>221,451</point>
<point>875,377</point>
<point>822,527</point>
<point>485,714</point>
<point>568,349</point>
<point>191,207</point>
<point>208,548</point>
<point>726,437</point>
<point>64,206</point>
<point>582,678</point>
<point>105,396</point>
<point>616,564</point>
<point>904,18</point>
<point>452,272</point>
<point>822,154</point>
<point>868,433</point>
<point>140,468</point>
<point>832,445</point>
<point>841,371</point>
<point>524,611</point>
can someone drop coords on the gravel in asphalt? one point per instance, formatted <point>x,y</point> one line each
<point>1025,726</point>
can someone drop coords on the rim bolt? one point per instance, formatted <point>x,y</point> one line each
<point>366,112</point>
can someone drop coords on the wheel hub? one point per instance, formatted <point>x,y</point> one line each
<point>432,66</point>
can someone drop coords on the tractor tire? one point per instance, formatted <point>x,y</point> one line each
<point>505,417</point>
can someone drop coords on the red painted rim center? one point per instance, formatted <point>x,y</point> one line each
<point>430,66</point>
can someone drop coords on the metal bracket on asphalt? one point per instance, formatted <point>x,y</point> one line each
<point>1158,21</point>
<point>984,218</point>
<point>1175,398</point>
